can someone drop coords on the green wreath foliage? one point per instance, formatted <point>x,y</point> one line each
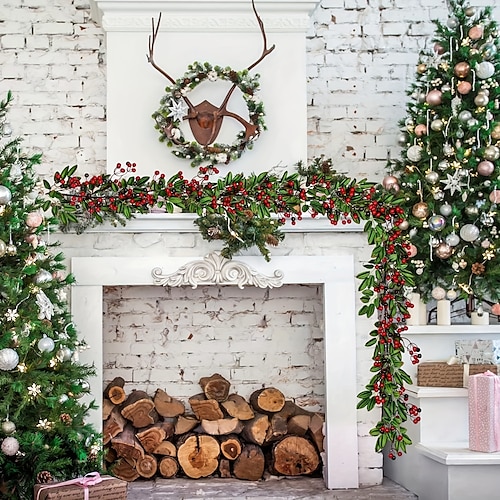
<point>168,122</point>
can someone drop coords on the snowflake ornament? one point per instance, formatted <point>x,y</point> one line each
<point>453,183</point>
<point>178,110</point>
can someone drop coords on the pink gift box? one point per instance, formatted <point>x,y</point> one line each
<point>484,412</point>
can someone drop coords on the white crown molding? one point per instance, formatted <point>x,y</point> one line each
<point>217,270</point>
<point>203,15</point>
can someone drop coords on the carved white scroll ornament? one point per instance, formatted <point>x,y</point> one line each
<point>217,270</point>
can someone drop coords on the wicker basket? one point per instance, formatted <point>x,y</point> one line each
<point>441,374</point>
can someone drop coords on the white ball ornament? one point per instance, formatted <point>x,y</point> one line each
<point>438,293</point>
<point>451,294</point>
<point>484,70</point>
<point>46,344</point>
<point>64,354</point>
<point>432,177</point>
<point>10,446</point>
<point>469,232</point>
<point>452,239</point>
<point>8,359</point>
<point>445,209</point>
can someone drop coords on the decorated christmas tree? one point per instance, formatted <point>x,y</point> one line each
<point>449,168</point>
<point>43,435</point>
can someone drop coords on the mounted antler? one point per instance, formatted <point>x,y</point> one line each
<point>205,119</point>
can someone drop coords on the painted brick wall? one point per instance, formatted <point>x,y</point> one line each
<point>361,59</point>
<point>161,337</point>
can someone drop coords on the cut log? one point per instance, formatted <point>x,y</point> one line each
<point>316,431</point>
<point>185,424</point>
<point>198,455</point>
<point>270,400</point>
<point>115,391</point>
<point>151,438</point>
<point>230,447</point>
<point>168,467</point>
<point>255,430</point>
<point>127,445</point>
<point>109,455</point>
<point>294,456</point>
<point>250,464</point>
<point>236,406</point>
<point>139,409</point>
<point>215,387</point>
<point>124,470</point>
<point>290,409</point>
<point>299,425</point>
<point>221,426</point>
<point>166,448</point>
<point>278,428</point>
<point>147,466</point>
<point>166,405</point>
<point>113,425</point>
<point>107,408</point>
<point>205,409</point>
<point>224,468</point>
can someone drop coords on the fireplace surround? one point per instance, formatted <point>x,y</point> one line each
<point>335,274</point>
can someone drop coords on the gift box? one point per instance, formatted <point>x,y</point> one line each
<point>478,352</point>
<point>91,487</point>
<point>442,374</point>
<point>484,412</point>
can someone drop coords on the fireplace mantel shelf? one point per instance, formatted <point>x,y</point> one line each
<point>184,223</point>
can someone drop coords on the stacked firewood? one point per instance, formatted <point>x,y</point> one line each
<point>223,434</point>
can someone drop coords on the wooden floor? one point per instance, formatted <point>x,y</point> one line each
<point>271,489</point>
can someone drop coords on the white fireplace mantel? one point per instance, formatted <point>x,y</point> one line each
<point>334,273</point>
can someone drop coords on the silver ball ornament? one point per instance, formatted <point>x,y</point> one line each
<point>443,165</point>
<point>402,139</point>
<point>42,276</point>
<point>437,125</point>
<point>432,177</point>
<point>414,153</point>
<point>436,223</point>
<point>469,232</point>
<point>452,239</point>
<point>471,210</point>
<point>445,209</point>
<point>464,116</point>
<point>64,354</point>
<point>10,446</point>
<point>452,22</point>
<point>8,427</point>
<point>5,195</point>
<point>448,150</point>
<point>488,50</point>
<point>46,344</point>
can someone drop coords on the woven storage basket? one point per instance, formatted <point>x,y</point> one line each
<point>441,374</point>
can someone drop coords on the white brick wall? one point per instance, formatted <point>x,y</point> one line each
<point>360,61</point>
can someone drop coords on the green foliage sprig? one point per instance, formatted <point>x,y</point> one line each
<point>245,211</point>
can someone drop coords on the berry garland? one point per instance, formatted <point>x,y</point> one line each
<point>249,211</point>
<point>172,112</point>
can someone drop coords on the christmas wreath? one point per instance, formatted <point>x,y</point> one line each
<point>173,110</point>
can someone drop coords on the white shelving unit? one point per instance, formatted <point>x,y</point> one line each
<point>439,464</point>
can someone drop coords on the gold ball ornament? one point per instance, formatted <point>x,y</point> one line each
<point>421,68</point>
<point>461,69</point>
<point>469,11</point>
<point>491,153</point>
<point>437,125</point>
<point>476,32</point>
<point>481,99</point>
<point>420,210</point>
<point>495,133</point>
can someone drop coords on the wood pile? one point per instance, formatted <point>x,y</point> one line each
<point>221,434</point>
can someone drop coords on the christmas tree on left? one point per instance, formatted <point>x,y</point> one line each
<point>43,434</point>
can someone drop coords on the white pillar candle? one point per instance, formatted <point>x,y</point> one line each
<point>414,311</point>
<point>443,312</point>
<point>423,313</point>
<point>475,319</point>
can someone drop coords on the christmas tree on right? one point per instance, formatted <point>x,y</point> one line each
<point>448,172</point>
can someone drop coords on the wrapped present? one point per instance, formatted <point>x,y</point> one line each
<point>446,374</point>
<point>478,352</point>
<point>484,412</point>
<point>93,486</point>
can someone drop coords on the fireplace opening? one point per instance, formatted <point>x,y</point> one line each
<point>166,340</point>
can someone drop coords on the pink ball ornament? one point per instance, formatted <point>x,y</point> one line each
<point>461,69</point>
<point>485,168</point>
<point>495,196</point>
<point>434,97</point>
<point>495,309</point>
<point>464,87</point>
<point>412,251</point>
<point>34,219</point>
<point>476,32</point>
<point>438,48</point>
<point>10,446</point>
<point>420,130</point>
